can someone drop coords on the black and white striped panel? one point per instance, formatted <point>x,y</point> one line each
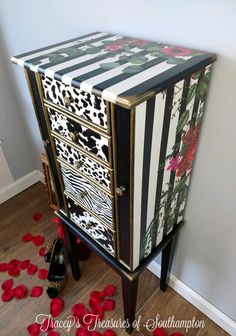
<point>86,138</point>
<point>85,105</point>
<point>161,123</point>
<point>91,226</point>
<point>88,195</point>
<point>84,164</point>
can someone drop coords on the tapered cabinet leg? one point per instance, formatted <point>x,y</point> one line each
<point>129,290</point>
<point>165,265</point>
<point>72,249</point>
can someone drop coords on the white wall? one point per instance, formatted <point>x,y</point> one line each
<point>205,256</point>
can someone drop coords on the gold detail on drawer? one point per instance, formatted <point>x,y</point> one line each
<point>46,142</point>
<point>120,190</point>
<point>79,164</point>
<point>83,194</point>
<point>88,225</point>
<point>68,100</point>
<point>74,135</point>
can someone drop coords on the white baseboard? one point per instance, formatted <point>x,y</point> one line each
<point>197,300</point>
<point>21,184</point>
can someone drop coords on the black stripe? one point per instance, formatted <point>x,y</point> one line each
<point>176,151</point>
<point>197,100</point>
<point>100,70</point>
<point>122,121</point>
<point>50,64</point>
<point>170,76</point>
<point>164,140</point>
<point>146,169</point>
<point>114,80</point>
<point>55,45</point>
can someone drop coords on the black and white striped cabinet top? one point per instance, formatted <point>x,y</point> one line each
<point>121,70</point>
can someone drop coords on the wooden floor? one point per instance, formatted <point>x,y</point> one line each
<point>16,315</point>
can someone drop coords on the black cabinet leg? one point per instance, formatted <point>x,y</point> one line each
<point>165,265</point>
<point>129,290</point>
<point>72,249</point>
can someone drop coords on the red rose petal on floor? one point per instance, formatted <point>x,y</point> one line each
<point>82,332</point>
<point>24,264</point>
<point>96,308</point>
<point>6,285</point>
<point>79,311</point>
<point>109,290</point>
<point>42,251</point>
<point>96,296</point>
<point>177,334</point>
<point>108,305</point>
<point>47,325</point>
<point>56,220</point>
<point>34,329</point>
<point>36,291</point>
<point>56,306</point>
<point>38,240</point>
<point>53,333</point>
<point>27,237</point>
<point>13,270</point>
<point>3,267</point>
<point>36,217</point>
<point>109,332</point>
<point>32,269</point>
<point>95,333</point>
<point>19,291</point>
<point>42,274</point>
<point>159,332</point>
<point>78,241</point>
<point>14,262</point>
<point>7,295</point>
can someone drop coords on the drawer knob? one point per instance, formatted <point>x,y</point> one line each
<point>74,135</point>
<point>79,164</point>
<point>88,225</point>
<point>120,190</point>
<point>83,194</point>
<point>68,100</point>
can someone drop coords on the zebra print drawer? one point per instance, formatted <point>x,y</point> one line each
<point>92,142</point>
<point>84,164</point>
<point>88,196</point>
<point>101,234</point>
<point>83,104</point>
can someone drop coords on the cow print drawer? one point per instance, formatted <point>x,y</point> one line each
<point>88,195</point>
<point>84,105</point>
<point>101,234</point>
<point>84,164</point>
<point>82,136</point>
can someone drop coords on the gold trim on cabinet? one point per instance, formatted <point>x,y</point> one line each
<point>38,122</point>
<point>77,118</point>
<point>77,202</point>
<point>39,85</point>
<point>114,146</point>
<point>96,184</point>
<point>81,150</point>
<point>132,133</point>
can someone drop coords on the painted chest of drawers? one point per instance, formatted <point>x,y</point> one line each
<point>123,117</point>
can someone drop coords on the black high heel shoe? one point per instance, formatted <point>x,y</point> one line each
<point>49,248</point>
<point>57,275</point>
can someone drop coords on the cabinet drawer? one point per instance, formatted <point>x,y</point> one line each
<point>88,195</point>
<point>83,164</point>
<point>96,230</point>
<point>87,139</point>
<point>84,105</point>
